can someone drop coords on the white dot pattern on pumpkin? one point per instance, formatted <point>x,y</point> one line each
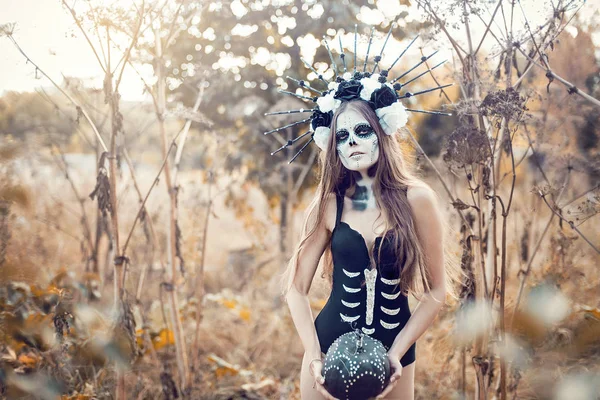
<point>356,366</point>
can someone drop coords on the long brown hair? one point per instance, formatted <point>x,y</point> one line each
<point>392,178</point>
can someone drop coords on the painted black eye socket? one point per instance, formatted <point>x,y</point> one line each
<point>363,129</point>
<point>342,135</point>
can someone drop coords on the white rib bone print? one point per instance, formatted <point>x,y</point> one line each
<point>350,289</point>
<point>389,326</point>
<point>390,311</point>
<point>351,274</point>
<point>390,281</point>
<point>349,319</point>
<point>390,296</point>
<point>350,305</point>
<point>370,279</point>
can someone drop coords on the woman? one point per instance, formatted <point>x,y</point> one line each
<point>382,235</point>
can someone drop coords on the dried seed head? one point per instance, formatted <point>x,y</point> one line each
<point>503,103</point>
<point>465,146</point>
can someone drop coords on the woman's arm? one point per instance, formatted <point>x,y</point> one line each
<point>430,233</point>
<point>308,260</point>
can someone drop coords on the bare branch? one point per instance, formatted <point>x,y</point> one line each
<point>572,88</point>
<point>554,207</point>
<point>87,38</point>
<point>134,40</point>
<point>487,28</point>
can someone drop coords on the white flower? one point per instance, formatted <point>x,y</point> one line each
<point>333,85</point>
<point>321,137</point>
<point>369,86</point>
<point>328,103</point>
<point>392,117</point>
<point>347,76</point>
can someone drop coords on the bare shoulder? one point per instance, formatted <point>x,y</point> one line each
<point>329,212</point>
<point>423,201</point>
<point>417,194</point>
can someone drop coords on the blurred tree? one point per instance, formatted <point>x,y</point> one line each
<point>27,113</point>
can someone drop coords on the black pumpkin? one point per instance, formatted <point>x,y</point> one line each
<point>356,367</point>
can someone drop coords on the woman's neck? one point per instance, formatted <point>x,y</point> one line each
<point>363,197</point>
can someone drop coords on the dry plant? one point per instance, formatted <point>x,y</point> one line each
<point>476,150</point>
<point>101,25</point>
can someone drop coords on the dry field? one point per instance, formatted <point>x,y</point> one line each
<point>59,335</point>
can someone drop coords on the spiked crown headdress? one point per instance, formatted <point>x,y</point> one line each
<point>383,97</point>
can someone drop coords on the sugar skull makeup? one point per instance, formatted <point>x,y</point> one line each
<point>356,141</point>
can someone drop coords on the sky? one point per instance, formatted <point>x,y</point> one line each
<point>45,32</point>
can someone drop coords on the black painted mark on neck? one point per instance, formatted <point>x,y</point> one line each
<point>359,198</point>
<point>372,170</point>
<point>357,176</point>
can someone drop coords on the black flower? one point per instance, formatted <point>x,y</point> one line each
<point>321,119</point>
<point>348,90</point>
<point>383,97</point>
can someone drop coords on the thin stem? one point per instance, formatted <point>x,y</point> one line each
<point>156,180</point>
<point>568,84</point>
<point>45,96</point>
<point>126,55</point>
<point>87,38</point>
<point>580,196</point>
<point>487,28</point>
<point>571,223</point>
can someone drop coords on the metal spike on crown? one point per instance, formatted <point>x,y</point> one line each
<point>370,86</point>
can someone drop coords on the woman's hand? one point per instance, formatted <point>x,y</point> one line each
<point>317,367</point>
<point>396,370</point>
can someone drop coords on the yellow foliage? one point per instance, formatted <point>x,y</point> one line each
<point>274,201</point>
<point>36,291</point>
<point>245,314</point>
<point>34,320</point>
<point>164,338</point>
<point>62,273</point>
<point>223,368</point>
<point>591,313</point>
<point>15,346</point>
<point>76,397</point>
<point>29,360</point>
<point>231,304</point>
<point>224,371</point>
<point>159,340</point>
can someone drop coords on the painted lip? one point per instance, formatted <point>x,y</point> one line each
<point>356,153</point>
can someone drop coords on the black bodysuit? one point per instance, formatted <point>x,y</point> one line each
<point>377,307</point>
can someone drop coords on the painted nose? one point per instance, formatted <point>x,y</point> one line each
<point>352,141</point>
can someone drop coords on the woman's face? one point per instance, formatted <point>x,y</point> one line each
<point>356,141</point>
